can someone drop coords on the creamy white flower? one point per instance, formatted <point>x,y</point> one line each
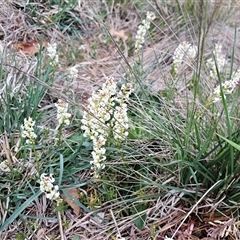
<point>62,114</point>
<point>217,63</point>
<point>142,31</point>
<point>28,130</point>
<point>51,191</point>
<point>104,118</point>
<point>52,53</point>
<point>46,183</point>
<point>53,194</point>
<point>120,118</point>
<point>228,87</point>
<point>184,51</point>
<point>46,186</point>
<point>150,16</point>
<point>73,73</point>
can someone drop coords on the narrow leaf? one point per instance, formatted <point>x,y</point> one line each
<point>19,210</point>
<point>231,142</point>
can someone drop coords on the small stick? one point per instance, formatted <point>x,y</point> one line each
<point>60,226</point>
<point>203,196</point>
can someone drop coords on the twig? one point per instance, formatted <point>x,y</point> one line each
<point>115,222</point>
<point>79,221</point>
<point>204,195</point>
<point>60,226</point>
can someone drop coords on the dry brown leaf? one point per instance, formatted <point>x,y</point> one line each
<point>74,192</point>
<point>41,233</point>
<point>118,34</point>
<point>29,48</point>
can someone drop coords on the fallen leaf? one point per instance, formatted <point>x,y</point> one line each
<point>118,35</point>
<point>74,192</point>
<point>29,48</point>
<point>41,233</point>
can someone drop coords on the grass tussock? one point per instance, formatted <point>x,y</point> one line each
<point>119,120</point>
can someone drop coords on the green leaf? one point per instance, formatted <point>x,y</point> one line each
<point>75,238</point>
<point>231,142</point>
<point>140,221</point>
<point>139,217</point>
<point>19,210</point>
<point>20,236</point>
<point>61,170</point>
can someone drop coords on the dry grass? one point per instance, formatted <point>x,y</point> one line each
<point>100,57</point>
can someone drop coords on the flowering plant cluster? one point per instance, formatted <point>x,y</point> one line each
<point>28,131</point>
<point>106,115</point>
<point>217,63</point>
<point>52,53</point>
<point>184,51</point>
<point>62,114</point>
<point>142,31</point>
<point>51,191</point>
<point>228,87</point>
<point>73,73</point>
<point>119,122</point>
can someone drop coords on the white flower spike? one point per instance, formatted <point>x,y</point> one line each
<point>28,130</point>
<point>106,115</point>
<point>142,31</point>
<point>51,191</point>
<point>184,51</point>
<point>52,53</point>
